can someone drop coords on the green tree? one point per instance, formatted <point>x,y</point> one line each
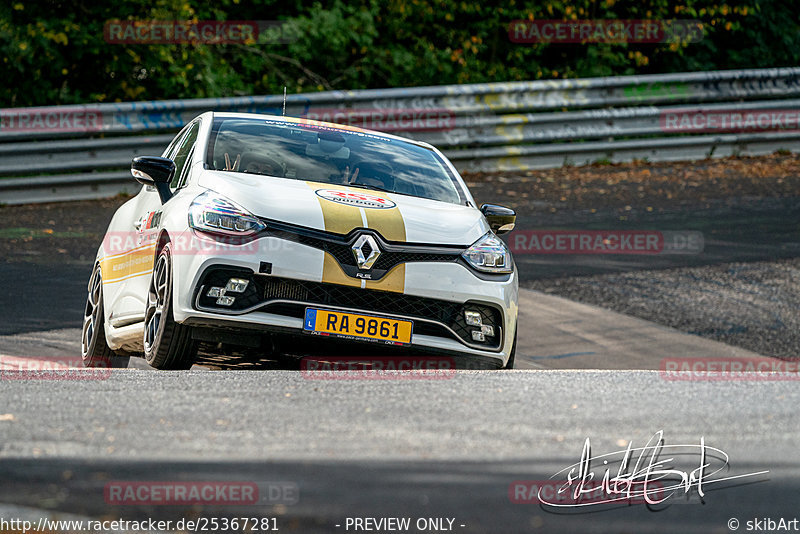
<point>54,52</point>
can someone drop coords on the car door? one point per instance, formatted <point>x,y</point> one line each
<point>142,235</point>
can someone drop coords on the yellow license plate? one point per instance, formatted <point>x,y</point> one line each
<point>357,326</point>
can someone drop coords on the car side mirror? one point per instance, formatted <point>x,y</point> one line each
<point>155,171</point>
<point>500,219</point>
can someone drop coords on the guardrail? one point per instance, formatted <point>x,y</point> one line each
<point>74,152</point>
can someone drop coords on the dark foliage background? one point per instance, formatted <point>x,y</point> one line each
<point>55,52</point>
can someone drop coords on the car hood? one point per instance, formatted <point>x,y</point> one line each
<point>340,209</point>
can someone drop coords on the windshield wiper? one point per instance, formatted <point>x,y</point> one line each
<point>367,186</point>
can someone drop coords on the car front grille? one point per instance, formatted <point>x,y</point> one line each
<point>388,259</point>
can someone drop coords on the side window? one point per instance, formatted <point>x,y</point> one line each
<point>175,143</point>
<point>181,157</point>
<point>185,174</point>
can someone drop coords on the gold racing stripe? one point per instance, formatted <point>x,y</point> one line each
<point>333,274</point>
<point>342,218</point>
<point>394,280</point>
<point>387,222</point>
<point>339,218</point>
<point>390,224</point>
<point>136,262</point>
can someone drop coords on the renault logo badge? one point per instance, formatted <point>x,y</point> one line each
<point>366,252</point>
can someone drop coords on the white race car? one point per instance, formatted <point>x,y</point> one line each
<point>285,235</point>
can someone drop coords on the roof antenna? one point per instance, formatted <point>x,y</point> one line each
<point>284,102</point>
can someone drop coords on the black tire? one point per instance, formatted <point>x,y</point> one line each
<point>167,344</point>
<point>513,356</point>
<point>95,352</point>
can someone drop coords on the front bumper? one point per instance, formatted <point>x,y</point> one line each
<point>434,295</point>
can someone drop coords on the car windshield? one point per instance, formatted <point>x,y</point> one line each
<point>330,155</point>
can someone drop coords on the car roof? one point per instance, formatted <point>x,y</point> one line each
<point>310,122</point>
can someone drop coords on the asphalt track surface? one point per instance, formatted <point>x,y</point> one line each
<point>393,448</point>
<point>404,446</point>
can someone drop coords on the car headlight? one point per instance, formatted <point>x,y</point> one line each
<point>211,212</point>
<point>489,254</point>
